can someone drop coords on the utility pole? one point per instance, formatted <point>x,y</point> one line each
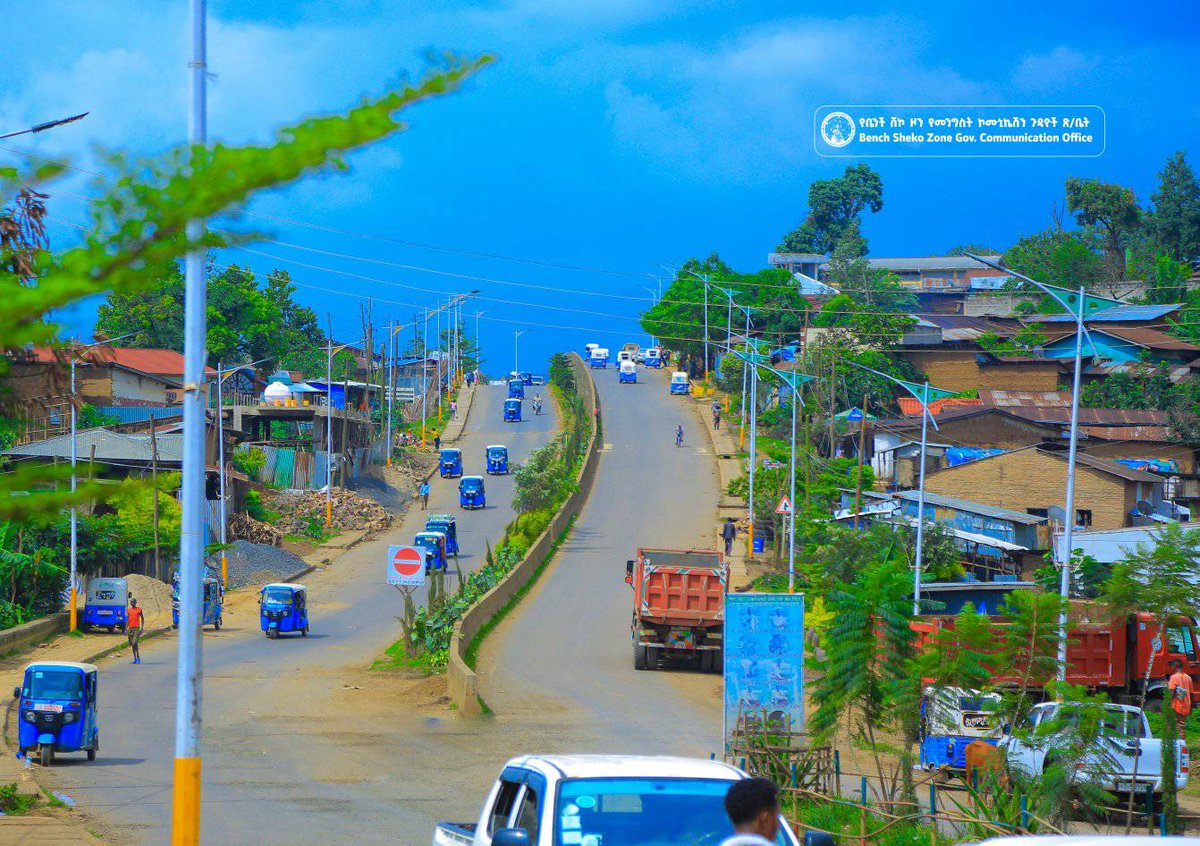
<point>516,336</point>
<point>154,482</point>
<point>329,431</point>
<point>862,440</point>
<point>74,508</point>
<point>221,468</point>
<point>424,374</point>
<point>185,826</point>
<point>391,386</point>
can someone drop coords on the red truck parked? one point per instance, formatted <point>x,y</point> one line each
<point>678,606</point>
<point>1111,656</point>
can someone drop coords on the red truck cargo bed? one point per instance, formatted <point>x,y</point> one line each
<point>678,586</point>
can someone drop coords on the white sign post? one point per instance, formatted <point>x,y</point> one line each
<point>406,566</point>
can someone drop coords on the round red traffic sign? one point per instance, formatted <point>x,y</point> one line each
<point>408,561</point>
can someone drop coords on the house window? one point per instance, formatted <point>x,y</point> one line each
<point>1083,517</point>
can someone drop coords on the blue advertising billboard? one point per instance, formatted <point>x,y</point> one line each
<point>764,660</point>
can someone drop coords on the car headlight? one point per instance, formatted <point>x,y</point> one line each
<point>31,716</point>
<point>68,716</point>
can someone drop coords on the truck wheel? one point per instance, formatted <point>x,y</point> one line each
<point>217,624</point>
<point>1154,702</point>
<point>110,629</point>
<point>639,656</point>
<point>91,754</point>
<point>45,754</point>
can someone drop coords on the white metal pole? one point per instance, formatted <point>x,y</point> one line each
<point>441,362</point>
<point>74,509</point>
<point>753,445</point>
<point>745,366</point>
<point>792,516</point>
<point>1069,517</point>
<point>221,468</point>
<point>920,502</point>
<point>705,280</point>
<point>329,434</point>
<point>185,830</point>
<point>391,387</point>
<point>424,374</point>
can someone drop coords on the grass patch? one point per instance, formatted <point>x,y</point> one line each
<point>843,818</point>
<point>473,648</point>
<point>396,657</point>
<point>76,633</point>
<point>15,804</point>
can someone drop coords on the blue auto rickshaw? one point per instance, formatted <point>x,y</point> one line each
<point>951,720</point>
<point>213,603</point>
<point>283,607</point>
<point>450,462</point>
<point>512,411</point>
<point>106,603</point>
<point>56,706</point>
<point>679,383</point>
<point>497,459</point>
<point>448,526</point>
<point>471,493</point>
<point>516,388</point>
<point>434,544</point>
<point>527,378</point>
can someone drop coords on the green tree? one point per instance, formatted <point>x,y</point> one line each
<point>137,228</point>
<point>246,321</point>
<point>869,650</point>
<point>313,362</point>
<point>1057,257</point>
<point>1109,210</point>
<point>834,207</point>
<point>1175,221</point>
<point>1159,580</point>
<point>973,249</point>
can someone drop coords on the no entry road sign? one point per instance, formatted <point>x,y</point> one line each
<point>406,566</point>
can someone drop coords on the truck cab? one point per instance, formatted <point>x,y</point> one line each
<point>614,800</point>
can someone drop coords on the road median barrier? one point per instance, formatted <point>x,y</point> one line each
<point>462,683</point>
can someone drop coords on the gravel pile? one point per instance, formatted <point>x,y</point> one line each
<point>154,597</point>
<point>256,563</point>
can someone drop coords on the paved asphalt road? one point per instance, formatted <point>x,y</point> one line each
<point>284,762</point>
<point>566,660</point>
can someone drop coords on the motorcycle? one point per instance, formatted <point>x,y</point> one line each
<point>537,406</point>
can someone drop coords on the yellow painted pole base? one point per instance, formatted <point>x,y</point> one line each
<point>185,815</point>
<point>328,514</point>
<point>74,612</point>
<point>224,571</point>
<point>750,541</point>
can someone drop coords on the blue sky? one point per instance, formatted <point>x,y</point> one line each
<point>616,134</point>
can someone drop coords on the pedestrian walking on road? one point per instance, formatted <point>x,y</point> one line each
<point>752,805</point>
<point>453,408</point>
<point>728,533</point>
<point>437,442</point>
<point>134,623</point>
<point>1180,687</point>
<point>423,492</point>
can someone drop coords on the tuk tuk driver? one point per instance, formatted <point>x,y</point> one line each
<point>133,628</point>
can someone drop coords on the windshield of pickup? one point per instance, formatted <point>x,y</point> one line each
<point>1116,722</point>
<point>643,812</point>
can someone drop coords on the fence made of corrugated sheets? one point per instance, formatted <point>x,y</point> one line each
<point>290,468</point>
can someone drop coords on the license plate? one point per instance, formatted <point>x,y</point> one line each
<point>47,706</point>
<point>104,613</point>
<point>1131,787</point>
<point>976,721</point>
<point>681,639</point>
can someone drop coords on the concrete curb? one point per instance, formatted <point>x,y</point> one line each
<point>462,682</point>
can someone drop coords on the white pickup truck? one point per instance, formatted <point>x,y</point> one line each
<point>1125,736</point>
<point>603,800</point>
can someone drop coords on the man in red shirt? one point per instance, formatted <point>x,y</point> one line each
<point>133,628</point>
<point>1179,685</point>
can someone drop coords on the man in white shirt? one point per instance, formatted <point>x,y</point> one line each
<point>753,808</point>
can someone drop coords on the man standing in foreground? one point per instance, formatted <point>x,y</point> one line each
<point>753,808</point>
<point>133,628</point>
<point>423,492</point>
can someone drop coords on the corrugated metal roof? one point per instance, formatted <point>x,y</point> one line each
<point>1117,314</point>
<point>111,447</point>
<point>1149,338</point>
<point>1149,434</point>
<point>1112,467</point>
<point>1010,399</point>
<point>1093,416</point>
<point>1175,372</point>
<point>929,263</point>
<point>156,362</point>
<point>972,507</point>
<point>911,406</point>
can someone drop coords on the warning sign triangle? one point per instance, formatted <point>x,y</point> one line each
<point>784,506</point>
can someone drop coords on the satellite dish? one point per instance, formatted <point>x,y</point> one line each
<point>1144,508</point>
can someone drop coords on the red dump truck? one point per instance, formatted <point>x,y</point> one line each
<point>1111,655</point>
<point>678,606</point>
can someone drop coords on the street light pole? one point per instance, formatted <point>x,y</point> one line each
<point>185,829</point>
<point>918,555</point>
<point>424,374</point>
<point>42,127</point>
<point>329,433</point>
<point>221,467</point>
<point>391,403</point>
<point>516,336</point>
<point>74,507</point>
